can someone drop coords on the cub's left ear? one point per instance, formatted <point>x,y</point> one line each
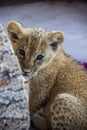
<point>56,38</point>
<point>15,31</point>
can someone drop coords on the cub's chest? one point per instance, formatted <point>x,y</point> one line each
<point>43,79</point>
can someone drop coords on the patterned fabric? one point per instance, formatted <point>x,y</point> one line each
<point>14,109</point>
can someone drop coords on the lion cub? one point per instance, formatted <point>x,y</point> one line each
<point>57,82</point>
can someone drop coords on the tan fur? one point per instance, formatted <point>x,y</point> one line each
<point>58,83</point>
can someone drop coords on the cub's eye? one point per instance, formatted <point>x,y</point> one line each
<point>40,57</point>
<point>22,52</point>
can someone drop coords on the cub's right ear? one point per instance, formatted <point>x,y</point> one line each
<point>15,31</point>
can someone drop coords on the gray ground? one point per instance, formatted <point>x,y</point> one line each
<point>71,18</point>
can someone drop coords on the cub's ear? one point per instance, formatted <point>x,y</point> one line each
<point>15,31</point>
<point>55,38</point>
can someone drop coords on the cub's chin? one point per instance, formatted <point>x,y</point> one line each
<point>28,76</point>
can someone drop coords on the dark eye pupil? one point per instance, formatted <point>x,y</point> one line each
<point>39,57</point>
<point>22,52</point>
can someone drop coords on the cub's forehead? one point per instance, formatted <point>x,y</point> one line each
<point>36,33</point>
<point>35,37</point>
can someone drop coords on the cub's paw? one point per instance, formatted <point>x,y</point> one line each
<point>39,122</point>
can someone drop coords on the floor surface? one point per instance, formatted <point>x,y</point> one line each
<point>71,18</point>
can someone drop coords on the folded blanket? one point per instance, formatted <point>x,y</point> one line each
<point>14,109</point>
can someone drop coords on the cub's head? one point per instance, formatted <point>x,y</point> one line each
<point>34,48</point>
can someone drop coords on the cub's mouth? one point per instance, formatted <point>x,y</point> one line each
<point>29,73</point>
<point>26,75</point>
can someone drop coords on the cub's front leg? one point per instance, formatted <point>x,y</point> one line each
<point>39,122</point>
<point>66,113</point>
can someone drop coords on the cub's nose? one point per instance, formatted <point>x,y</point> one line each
<point>25,72</point>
